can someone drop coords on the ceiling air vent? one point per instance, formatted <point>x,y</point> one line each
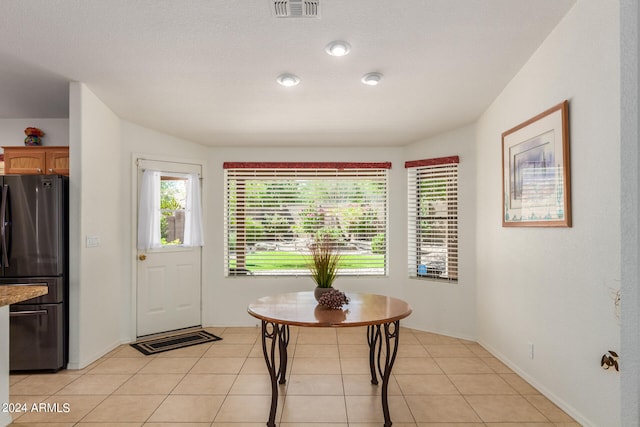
<point>296,8</point>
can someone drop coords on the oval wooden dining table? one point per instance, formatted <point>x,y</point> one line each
<point>380,314</point>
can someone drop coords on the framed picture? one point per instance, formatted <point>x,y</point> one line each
<point>536,189</point>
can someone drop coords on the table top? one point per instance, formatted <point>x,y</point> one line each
<point>302,309</point>
<point>12,294</point>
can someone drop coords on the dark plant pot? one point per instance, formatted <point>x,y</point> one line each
<point>318,292</point>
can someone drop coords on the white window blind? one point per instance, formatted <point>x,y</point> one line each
<point>433,218</point>
<point>273,211</point>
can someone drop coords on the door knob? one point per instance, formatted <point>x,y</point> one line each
<point>142,257</point>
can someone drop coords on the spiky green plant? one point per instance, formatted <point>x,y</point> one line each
<point>324,260</point>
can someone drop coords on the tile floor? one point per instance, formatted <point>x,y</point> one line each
<point>436,381</point>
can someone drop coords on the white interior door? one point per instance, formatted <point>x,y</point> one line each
<point>168,294</point>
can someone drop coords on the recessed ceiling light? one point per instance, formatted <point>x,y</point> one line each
<point>371,79</point>
<point>338,48</point>
<point>288,79</point>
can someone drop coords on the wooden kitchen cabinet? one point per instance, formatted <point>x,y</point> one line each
<point>36,160</point>
<point>57,160</point>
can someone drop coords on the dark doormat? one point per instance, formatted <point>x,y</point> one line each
<point>172,342</point>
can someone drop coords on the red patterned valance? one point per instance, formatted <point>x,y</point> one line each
<point>432,162</point>
<point>306,165</point>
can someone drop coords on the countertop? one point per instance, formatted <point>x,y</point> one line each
<point>12,294</point>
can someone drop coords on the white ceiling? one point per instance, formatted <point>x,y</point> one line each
<point>205,70</point>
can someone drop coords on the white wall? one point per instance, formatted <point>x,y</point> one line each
<point>138,141</point>
<point>554,287</point>
<point>56,131</point>
<point>226,299</point>
<point>96,209</point>
<point>442,307</point>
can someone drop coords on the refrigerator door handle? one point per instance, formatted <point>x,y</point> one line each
<point>3,225</point>
<point>28,313</point>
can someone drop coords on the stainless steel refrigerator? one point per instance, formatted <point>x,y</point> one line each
<point>34,249</point>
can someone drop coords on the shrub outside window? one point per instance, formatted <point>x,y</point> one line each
<point>274,211</point>
<point>173,198</point>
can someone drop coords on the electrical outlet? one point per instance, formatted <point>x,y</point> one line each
<point>531,350</point>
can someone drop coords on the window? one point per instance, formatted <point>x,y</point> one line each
<point>273,211</point>
<point>433,218</point>
<point>173,198</point>
<point>169,210</point>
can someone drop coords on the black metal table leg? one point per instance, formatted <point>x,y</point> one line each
<point>279,336</point>
<point>374,338</point>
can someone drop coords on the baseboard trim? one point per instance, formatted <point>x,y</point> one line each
<point>562,404</point>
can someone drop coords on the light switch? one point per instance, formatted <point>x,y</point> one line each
<point>93,241</point>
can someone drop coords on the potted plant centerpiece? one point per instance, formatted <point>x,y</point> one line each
<point>323,263</point>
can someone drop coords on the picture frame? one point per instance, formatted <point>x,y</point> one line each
<point>536,190</point>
